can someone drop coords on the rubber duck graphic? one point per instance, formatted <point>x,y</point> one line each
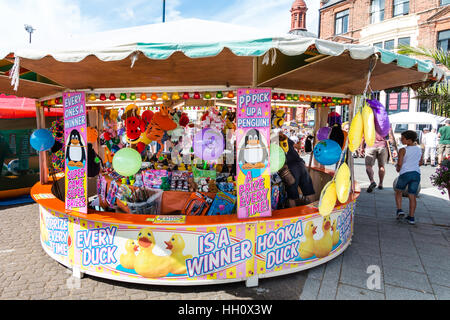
<point>147,264</point>
<point>253,155</point>
<point>335,233</point>
<point>127,259</point>
<point>75,153</point>
<point>176,245</point>
<point>306,248</point>
<point>323,246</point>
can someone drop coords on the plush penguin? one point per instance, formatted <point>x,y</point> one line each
<point>253,155</point>
<point>75,153</point>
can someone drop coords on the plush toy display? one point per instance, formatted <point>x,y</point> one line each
<point>160,123</point>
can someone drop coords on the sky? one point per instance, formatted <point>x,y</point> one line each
<point>53,19</point>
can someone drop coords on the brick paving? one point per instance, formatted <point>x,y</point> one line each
<point>413,260</point>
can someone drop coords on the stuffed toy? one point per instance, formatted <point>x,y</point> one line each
<point>277,118</point>
<point>212,119</point>
<point>160,123</point>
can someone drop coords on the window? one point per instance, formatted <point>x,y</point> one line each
<point>341,22</point>
<point>401,7</point>
<point>378,44</point>
<point>444,2</point>
<point>424,106</point>
<point>389,45</point>
<point>397,101</point>
<point>443,41</point>
<point>404,41</point>
<point>376,11</point>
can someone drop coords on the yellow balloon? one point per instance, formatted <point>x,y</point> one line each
<point>355,133</point>
<point>343,183</point>
<point>369,125</point>
<point>328,198</point>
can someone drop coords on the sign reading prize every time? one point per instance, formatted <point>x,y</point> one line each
<point>253,114</point>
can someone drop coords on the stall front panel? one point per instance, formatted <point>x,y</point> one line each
<point>175,251</point>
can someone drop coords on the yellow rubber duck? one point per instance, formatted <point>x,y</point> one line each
<point>306,248</point>
<point>147,264</point>
<point>335,233</point>
<point>323,246</point>
<point>176,245</point>
<point>127,259</point>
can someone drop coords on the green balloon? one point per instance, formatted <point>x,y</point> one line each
<point>277,157</point>
<point>127,162</point>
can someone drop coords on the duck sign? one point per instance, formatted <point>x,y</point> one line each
<point>75,139</point>
<point>253,139</point>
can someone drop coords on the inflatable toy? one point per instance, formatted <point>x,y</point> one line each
<point>277,158</point>
<point>327,198</point>
<point>355,133</point>
<point>127,162</point>
<point>382,124</point>
<point>13,167</point>
<point>327,152</point>
<point>368,125</point>
<point>343,183</point>
<point>323,133</point>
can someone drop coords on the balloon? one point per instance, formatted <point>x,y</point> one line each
<point>382,125</point>
<point>208,144</point>
<point>343,183</point>
<point>323,133</point>
<point>42,140</point>
<point>327,152</point>
<point>127,162</point>
<point>355,132</point>
<point>277,158</point>
<point>327,199</point>
<point>369,125</point>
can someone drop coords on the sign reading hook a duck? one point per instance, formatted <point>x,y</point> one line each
<point>75,139</point>
<point>253,139</point>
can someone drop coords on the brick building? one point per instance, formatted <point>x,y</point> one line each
<point>388,24</point>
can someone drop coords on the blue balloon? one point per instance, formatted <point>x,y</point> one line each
<point>42,140</point>
<point>327,152</point>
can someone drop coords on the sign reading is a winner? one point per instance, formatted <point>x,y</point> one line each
<point>252,152</point>
<point>75,140</point>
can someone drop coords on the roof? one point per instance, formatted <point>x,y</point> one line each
<point>416,118</point>
<point>12,107</point>
<point>331,3</point>
<point>196,52</point>
<point>303,33</point>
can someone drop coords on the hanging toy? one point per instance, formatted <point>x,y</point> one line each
<point>382,125</point>
<point>343,183</point>
<point>161,122</point>
<point>355,133</point>
<point>327,199</point>
<point>368,125</point>
<point>278,118</point>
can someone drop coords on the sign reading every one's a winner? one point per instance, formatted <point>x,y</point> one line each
<point>253,139</point>
<point>75,139</point>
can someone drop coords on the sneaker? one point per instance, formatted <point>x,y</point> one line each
<point>380,187</point>
<point>400,213</point>
<point>371,187</point>
<point>410,220</point>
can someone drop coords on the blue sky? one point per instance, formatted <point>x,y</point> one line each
<point>54,19</point>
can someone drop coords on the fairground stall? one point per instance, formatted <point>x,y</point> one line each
<point>175,167</point>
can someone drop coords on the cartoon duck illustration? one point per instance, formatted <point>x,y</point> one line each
<point>127,259</point>
<point>306,248</point>
<point>147,264</point>
<point>75,153</point>
<point>323,246</point>
<point>335,233</point>
<point>176,245</point>
<point>253,155</point>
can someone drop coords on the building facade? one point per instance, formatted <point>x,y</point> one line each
<point>388,24</point>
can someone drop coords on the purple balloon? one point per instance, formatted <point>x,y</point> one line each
<point>323,133</point>
<point>208,144</point>
<point>382,124</point>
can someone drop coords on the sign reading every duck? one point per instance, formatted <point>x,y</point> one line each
<point>75,138</point>
<point>253,140</point>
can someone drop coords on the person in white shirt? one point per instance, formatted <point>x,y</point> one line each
<point>430,142</point>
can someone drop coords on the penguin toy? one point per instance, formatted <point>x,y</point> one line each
<point>253,155</point>
<point>75,153</point>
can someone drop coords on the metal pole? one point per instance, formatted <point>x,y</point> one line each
<point>164,11</point>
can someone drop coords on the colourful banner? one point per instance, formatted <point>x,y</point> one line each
<point>252,152</point>
<point>75,137</point>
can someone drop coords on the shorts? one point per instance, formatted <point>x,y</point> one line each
<point>376,153</point>
<point>443,150</point>
<point>409,179</point>
<point>302,180</point>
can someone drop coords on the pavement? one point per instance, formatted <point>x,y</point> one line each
<point>387,259</point>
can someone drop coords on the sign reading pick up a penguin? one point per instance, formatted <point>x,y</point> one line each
<point>252,153</point>
<point>75,148</point>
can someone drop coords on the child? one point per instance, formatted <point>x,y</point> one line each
<point>409,160</point>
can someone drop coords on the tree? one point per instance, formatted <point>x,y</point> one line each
<point>438,93</point>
